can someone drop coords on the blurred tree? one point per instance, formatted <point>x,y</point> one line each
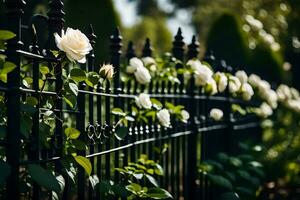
<point>101,14</point>
<point>228,42</point>
<point>149,27</point>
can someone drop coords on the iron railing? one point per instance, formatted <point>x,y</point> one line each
<point>188,143</point>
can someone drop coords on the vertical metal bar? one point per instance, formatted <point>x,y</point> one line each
<point>34,146</point>
<point>91,65</point>
<point>14,13</point>
<point>115,47</point>
<point>192,139</point>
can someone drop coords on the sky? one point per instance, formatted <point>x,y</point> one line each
<point>128,14</point>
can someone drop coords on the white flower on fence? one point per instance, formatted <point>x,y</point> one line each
<point>242,76</point>
<point>185,116</point>
<point>143,101</point>
<point>222,81</point>
<point>247,91</point>
<point>164,117</point>
<point>142,75</point>
<point>234,84</point>
<point>106,71</point>
<point>264,110</point>
<point>211,87</point>
<point>283,93</point>
<point>134,63</point>
<point>150,63</point>
<point>254,80</point>
<point>216,114</point>
<point>202,73</point>
<point>140,72</point>
<point>74,43</point>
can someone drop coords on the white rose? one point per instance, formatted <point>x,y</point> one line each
<point>222,81</point>
<point>263,88</point>
<point>74,43</point>
<point>143,101</point>
<point>283,92</point>
<point>150,63</point>
<point>234,84</point>
<point>216,114</point>
<point>134,63</point>
<point>265,110</point>
<point>142,75</point>
<point>185,116</point>
<point>211,87</point>
<point>202,75</point>
<point>107,71</point>
<point>247,91</point>
<point>242,76</point>
<point>164,117</point>
<point>272,98</point>
<point>194,64</point>
<point>294,105</point>
<point>254,79</point>
<point>295,93</point>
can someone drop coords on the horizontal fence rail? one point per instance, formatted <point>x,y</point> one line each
<point>188,144</point>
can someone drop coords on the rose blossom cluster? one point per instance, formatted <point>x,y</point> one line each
<point>289,97</point>
<point>143,101</point>
<point>203,76</point>
<point>141,73</point>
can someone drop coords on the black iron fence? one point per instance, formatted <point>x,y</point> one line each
<point>188,144</point>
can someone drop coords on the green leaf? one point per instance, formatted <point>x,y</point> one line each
<point>152,180</point>
<point>156,104</point>
<point>220,181</point>
<point>26,125</point>
<point>134,188</point>
<point>43,177</point>
<point>121,132</point>
<point>118,111</point>
<point>44,70</point>
<point>104,187</point>
<point>94,180</point>
<point>78,75</point>
<point>8,67</point>
<point>120,190</point>
<point>70,100</point>
<point>229,196</point>
<point>92,79</point>
<point>79,145</point>
<point>159,193</point>
<point>73,88</point>
<point>243,191</point>
<point>4,172</point>
<point>85,163</point>
<point>31,101</point>
<point>72,133</point>
<point>129,118</point>
<point>6,35</point>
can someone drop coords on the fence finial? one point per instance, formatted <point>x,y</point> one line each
<point>210,58</point>
<point>147,51</point>
<point>178,45</point>
<point>193,48</point>
<point>55,22</point>
<point>115,46</point>
<point>130,51</point>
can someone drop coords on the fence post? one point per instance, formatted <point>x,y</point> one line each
<point>55,22</point>
<point>130,51</point>
<point>147,50</point>
<point>193,52</point>
<point>14,13</point>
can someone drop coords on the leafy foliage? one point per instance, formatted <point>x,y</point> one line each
<point>137,182</point>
